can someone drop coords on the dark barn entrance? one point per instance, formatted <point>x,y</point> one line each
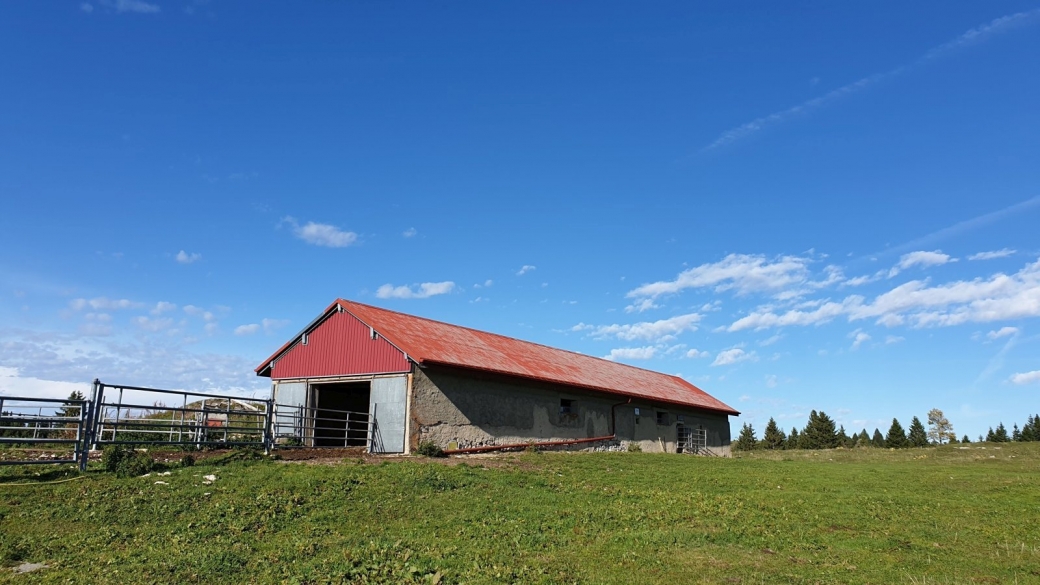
<point>341,417</point>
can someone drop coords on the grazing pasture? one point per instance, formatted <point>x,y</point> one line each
<point>935,515</point>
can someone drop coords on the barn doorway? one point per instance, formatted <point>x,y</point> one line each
<point>341,414</point>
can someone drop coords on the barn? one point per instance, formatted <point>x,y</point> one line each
<point>363,376</point>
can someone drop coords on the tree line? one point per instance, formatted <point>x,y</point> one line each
<point>820,432</point>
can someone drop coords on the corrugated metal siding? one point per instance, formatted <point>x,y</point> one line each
<point>340,346</point>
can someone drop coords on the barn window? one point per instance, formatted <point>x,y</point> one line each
<point>566,406</point>
<point>662,418</point>
<point>303,339</point>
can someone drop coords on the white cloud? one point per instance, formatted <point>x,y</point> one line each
<point>162,307</point>
<point>766,319</point>
<point>742,273</point>
<point>992,255</point>
<point>631,353</point>
<point>104,303</point>
<point>1002,332</point>
<point>410,232</point>
<point>858,338</point>
<point>920,258</point>
<point>138,6</point>
<point>771,381</point>
<point>272,325</point>
<point>974,35</point>
<point>186,258</point>
<point>86,7</point>
<point>153,325</point>
<point>1025,378</point>
<point>734,356</point>
<point>144,360</point>
<point>770,341</point>
<point>1000,297</point>
<point>890,339</point>
<point>640,306</point>
<point>12,383</point>
<point>696,353</point>
<point>424,290</point>
<point>321,234</point>
<point>247,329</point>
<point>525,269</point>
<point>659,331</point>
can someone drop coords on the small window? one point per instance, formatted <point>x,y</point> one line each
<point>662,418</point>
<point>303,340</point>
<point>566,406</point>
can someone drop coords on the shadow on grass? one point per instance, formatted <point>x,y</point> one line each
<point>31,474</point>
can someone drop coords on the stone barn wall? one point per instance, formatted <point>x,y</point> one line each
<point>460,408</point>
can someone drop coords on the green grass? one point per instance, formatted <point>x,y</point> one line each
<point>941,515</point>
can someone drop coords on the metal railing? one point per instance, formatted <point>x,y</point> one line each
<point>692,441</point>
<point>294,425</point>
<point>65,431</point>
<point>123,416</point>
<point>55,430</point>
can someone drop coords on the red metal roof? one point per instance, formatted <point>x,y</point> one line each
<point>432,342</point>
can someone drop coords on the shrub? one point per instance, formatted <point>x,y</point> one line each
<point>429,449</point>
<point>126,462</point>
<point>187,461</point>
<point>635,448</point>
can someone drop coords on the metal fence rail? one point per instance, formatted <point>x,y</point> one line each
<point>49,424</point>
<point>293,425</point>
<point>124,417</point>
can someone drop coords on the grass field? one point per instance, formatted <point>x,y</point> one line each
<point>942,515</point>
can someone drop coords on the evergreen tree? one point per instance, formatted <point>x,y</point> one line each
<point>896,437</point>
<point>965,439</point>
<point>843,439</point>
<point>990,437</point>
<point>953,440</point>
<point>792,439</point>
<point>1016,435</point>
<point>1000,435</point>
<point>877,440</point>
<point>819,433</point>
<point>939,428</point>
<point>1028,430</point>
<point>917,437</point>
<point>863,439</point>
<point>71,409</point>
<point>774,438</point>
<point>747,440</point>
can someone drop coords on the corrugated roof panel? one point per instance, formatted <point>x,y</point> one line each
<point>343,348</point>
<point>428,341</point>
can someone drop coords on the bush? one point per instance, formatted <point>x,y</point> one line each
<point>430,449</point>
<point>187,461</point>
<point>635,448</point>
<point>126,462</point>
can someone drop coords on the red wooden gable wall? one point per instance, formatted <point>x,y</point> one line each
<point>340,346</point>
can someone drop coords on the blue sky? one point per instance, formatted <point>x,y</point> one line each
<point>819,205</point>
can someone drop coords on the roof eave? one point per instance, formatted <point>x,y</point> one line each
<point>726,410</point>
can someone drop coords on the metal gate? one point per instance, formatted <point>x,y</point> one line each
<point>133,415</point>
<point>690,440</point>
<point>44,430</point>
